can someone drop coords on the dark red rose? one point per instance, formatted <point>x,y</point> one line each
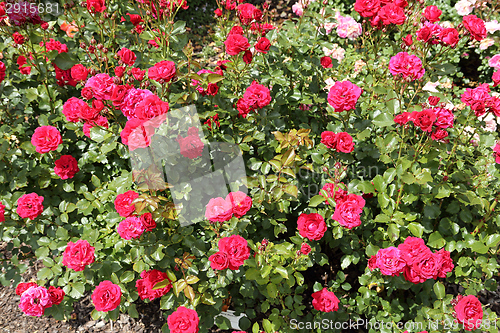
<point>18,38</point>
<point>263,45</point>
<point>432,13</point>
<point>235,44</point>
<point>408,40</point>
<point>248,12</point>
<point>148,222</point>
<point>247,57</point>
<point>56,295</point>
<point>326,62</point>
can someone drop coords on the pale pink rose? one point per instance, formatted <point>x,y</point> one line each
<point>485,43</point>
<point>492,26</point>
<point>348,27</point>
<point>464,7</point>
<point>298,9</point>
<point>495,61</point>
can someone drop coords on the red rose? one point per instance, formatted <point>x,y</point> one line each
<point>148,222</point>
<point>372,262</point>
<point>23,286</point>
<point>56,295</point>
<point>131,227</point>
<point>424,119</point>
<point>183,320</point>
<point>219,261</point>
<point>21,62</point>
<point>345,143</point>
<point>218,12</point>
<point>123,203</point>
<point>412,249</point>
<point>445,262</point>
<point>87,93</point>
<point>235,44</point>
<point>138,74</point>
<point>240,202</point>
<point>163,71</point>
<point>247,57</point>
<point>29,206</point>
<point>449,36</point>
<point>219,210</point>
<point>119,71</point>
<point>96,6</point>
<point>305,249</point>
<point>237,250</point>
<point>236,30</point>
<point>347,213</point>
<point>102,86</point>
<point>402,118</point>
<point>411,275</point>
<point>107,296</point>
<point>329,139</point>
<point>389,261</point>
<point>248,12</point>
<point>408,40</point>
<point>263,45</point>
<point>66,167</point>
<point>469,312</point>
<point>78,255</point>
<point>495,77</point>
<point>2,71</point>
<point>344,95</point>
<point>2,212</point>
<point>100,121</point>
<point>151,107</point>
<point>86,113</point>
<point>427,266</point>
<point>135,19</point>
<point>433,100</point>
<point>367,8</point>
<point>79,72</point>
<point>244,107</point>
<point>439,134</point>
<point>258,94</point>
<point>392,14</point>
<point>325,301</point>
<point>136,135</point>
<point>127,57</point>
<point>18,38</point>
<point>147,283</point>
<point>475,26</point>
<point>311,226</point>
<point>326,62</point>
<point>432,13</point>
<point>46,138</point>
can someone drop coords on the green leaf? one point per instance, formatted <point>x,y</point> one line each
<point>316,200</point>
<point>416,229</point>
<point>439,290</point>
<point>272,290</point>
<point>127,276</point>
<point>214,78</point>
<point>436,240</point>
<point>383,120</point>
<point>77,290</point>
<point>65,61</point>
<point>282,271</point>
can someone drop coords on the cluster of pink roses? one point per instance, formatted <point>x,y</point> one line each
<point>409,67</point>
<point>480,100</point>
<point>233,251</point>
<point>255,97</point>
<point>344,95</point>
<point>133,226</point>
<point>414,259</point>
<point>35,299</point>
<point>434,120</point>
<point>382,12</point>
<point>220,209</point>
<point>341,142</point>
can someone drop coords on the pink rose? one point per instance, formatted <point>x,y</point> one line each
<point>78,255</point>
<point>46,138</point>
<point>263,45</point>
<point>240,202</point>
<point>2,212</point>
<point>305,249</point>
<point>219,261</point>
<point>102,86</point>
<point>219,210</point>
<point>66,167</point>
<point>131,227</point>
<point>446,263</point>
<point>183,320</point>
<point>406,65</point>
<point>469,312</point>
<point>123,203</point>
<point>325,301</point>
<point>23,286</point>
<point>106,296</point>
<point>163,71</point>
<point>30,206</point>
<point>311,226</point>
<point>392,14</point>
<point>34,301</point>
<point>191,146</point>
<point>71,109</point>
<point>496,152</point>
<point>343,96</point>
<point>389,261</point>
<point>367,8</point>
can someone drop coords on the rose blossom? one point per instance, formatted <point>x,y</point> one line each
<point>183,320</point>
<point>23,286</point>
<point>402,118</point>
<point>219,261</point>
<point>392,14</point>
<point>2,212</point>
<point>389,261</point>
<point>237,250</point>
<point>469,312</point>
<point>191,146</point>
<point>163,71</point>
<point>235,44</point>
<point>464,7</point>
<point>409,66</point>
<point>34,301</point>
<point>344,95</point>
<point>79,72</point>
<point>449,36</point>
<point>325,301</point>
<point>123,203</point>
<point>344,142</point>
<point>151,107</point>
<point>492,26</point>
<point>66,167</point>
<point>219,210</point>
<point>148,222</point>
<point>147,282</point>
<point>23,12</point>
<point>46,138</point>
<point>432,13</point>
<point>126,56</point>
<point>102,86</point>
<point>311,226</point>
<point>30,206</point>
<point>101,121</point>
<point>495,61</point>
<point>305,249</point>
<point>496,152</point>
<point>347,213</point>
<point>71,109</point>
<point>348,27</point>
<point>56,295</point>
<point>298,9</point>
<point>329,139</point>
<point>248,12</point>
<point>78,255</point>
<point>131,227</point>
<point>263,45</point>
<point>475,26</point>
<point>485,43</point>
<point>96,6</point>
<point>106,296</point>
<point>412,249</point>
<point>445,262</point>
<point>134,96</point>
<point>240,202</point>
<point>367,8</point>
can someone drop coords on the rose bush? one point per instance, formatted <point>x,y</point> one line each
<point>372,175</point>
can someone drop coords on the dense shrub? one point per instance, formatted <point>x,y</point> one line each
<point>371,164</point>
